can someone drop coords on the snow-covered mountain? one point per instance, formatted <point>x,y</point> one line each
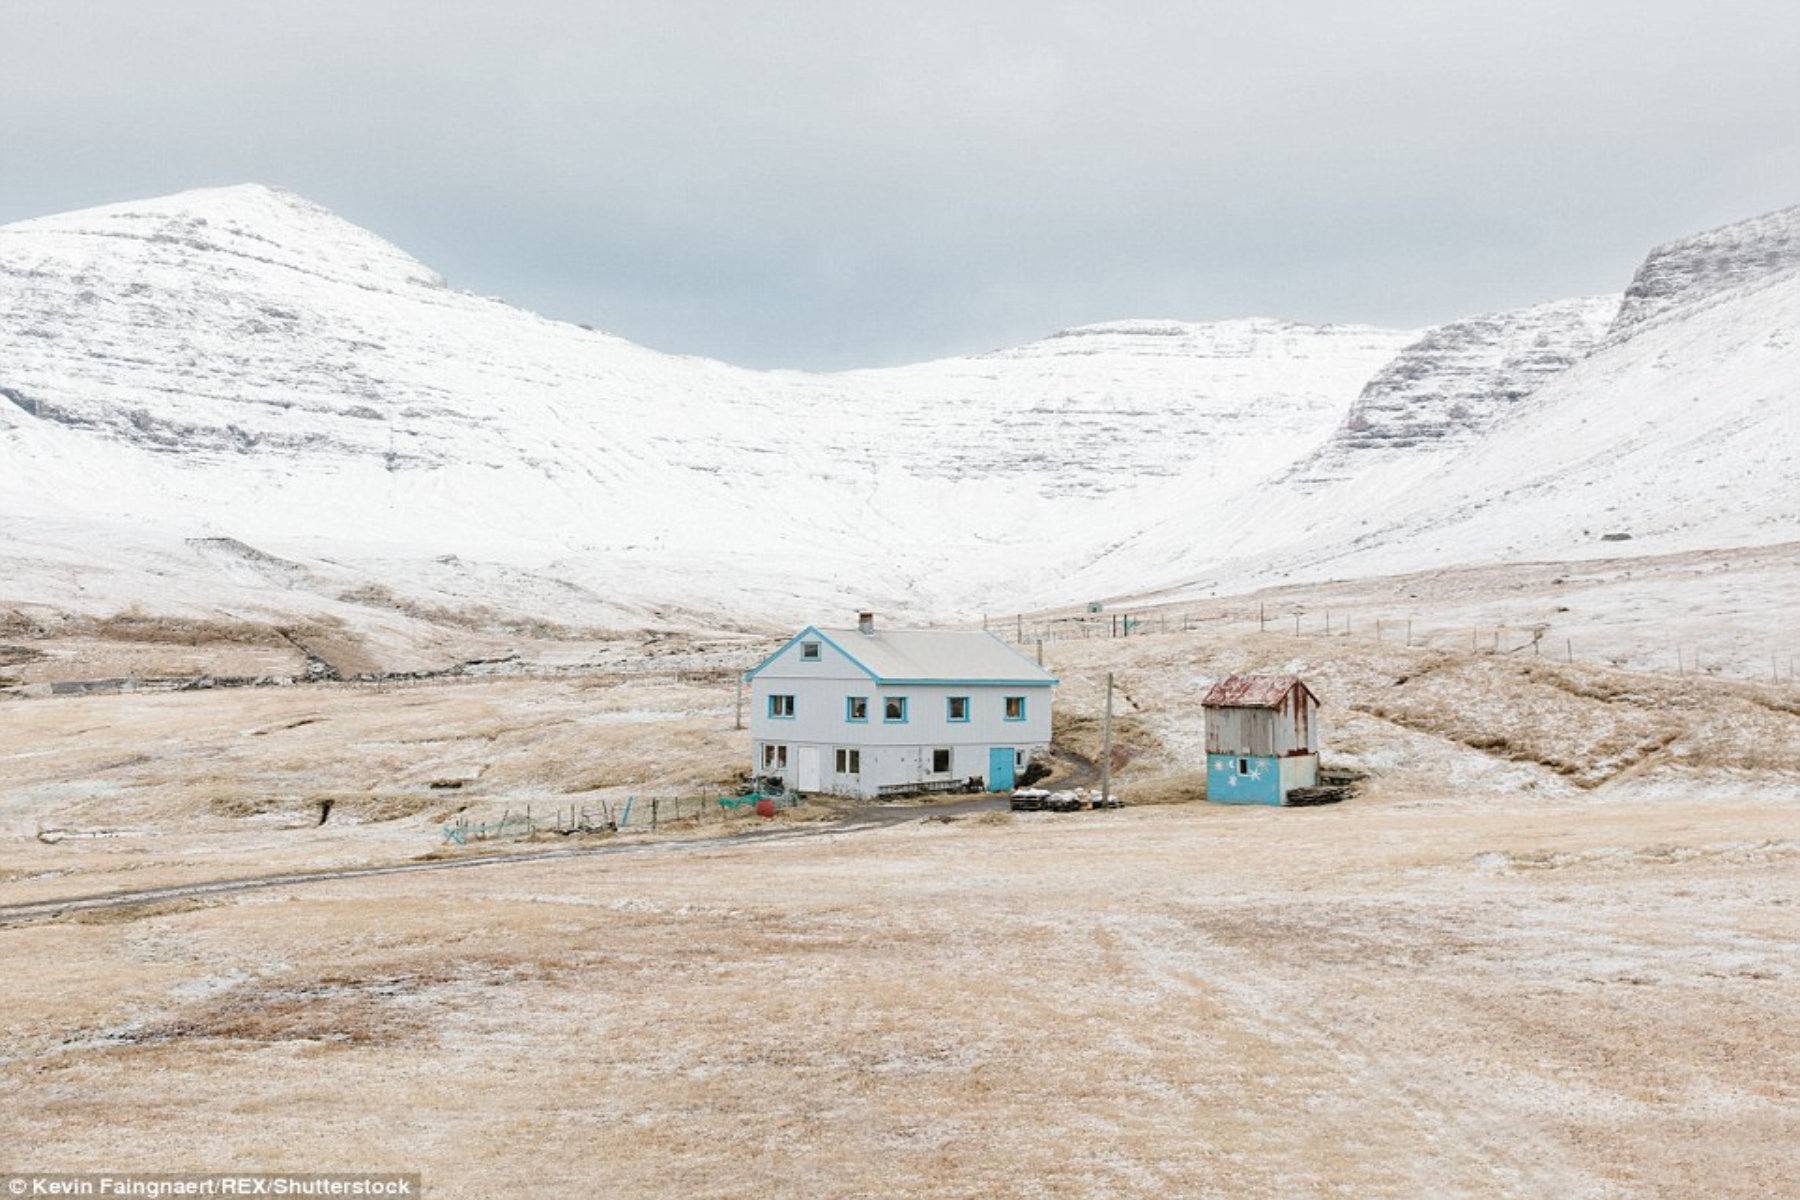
<point>239,363</point>
<point>1675,428</point>
<point>231,401</point>
<point>1690,270</point>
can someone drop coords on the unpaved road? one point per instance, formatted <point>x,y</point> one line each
<point>859,819</point>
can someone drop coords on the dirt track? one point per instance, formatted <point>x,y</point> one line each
<point>855,820</point>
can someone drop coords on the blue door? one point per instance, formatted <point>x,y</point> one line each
<point>1000,769</point>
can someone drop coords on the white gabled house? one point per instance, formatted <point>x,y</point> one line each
<point>861,712</point>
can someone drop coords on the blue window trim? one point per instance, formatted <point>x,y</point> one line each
<point>850,716</point>
<point>950,712</point>
<point>817,648</point>
<point>792,706</point>
<point>1008,700</point>
<point>905,711</point>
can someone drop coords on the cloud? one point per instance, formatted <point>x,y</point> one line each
<point>834,184</point>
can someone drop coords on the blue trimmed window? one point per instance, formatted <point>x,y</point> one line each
<point>856,709</point>
<point>893,710</point>
<point>1015,708</point>
<point>809,652</point>
<point>956,708</point>
<point>781,708</point>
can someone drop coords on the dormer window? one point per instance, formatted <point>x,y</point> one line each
<point>809,652</point>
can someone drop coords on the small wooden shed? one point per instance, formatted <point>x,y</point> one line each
<point>1262,739</point>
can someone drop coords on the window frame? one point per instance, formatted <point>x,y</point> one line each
<point>1006,704</point>
<point>792,706</point>
<point>848,760</point>
<point>949,760</point>
<point>812,652</point>
<point>904,707</point>
<point>775,756</point>
<point>950,703</point>
<point>850,717</point>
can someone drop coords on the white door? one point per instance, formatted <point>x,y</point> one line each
<point>809,769</point>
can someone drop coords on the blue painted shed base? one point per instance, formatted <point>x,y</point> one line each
<point>1250,779</point>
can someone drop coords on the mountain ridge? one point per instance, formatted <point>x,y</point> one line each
<point>335,401</point>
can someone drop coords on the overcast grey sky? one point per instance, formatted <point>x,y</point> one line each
<point>842,184</point>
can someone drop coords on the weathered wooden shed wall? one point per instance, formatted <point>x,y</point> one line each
<point>1291,727</point>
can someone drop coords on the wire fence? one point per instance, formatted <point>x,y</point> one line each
<point>1536,639</point>
<point>633,814</point>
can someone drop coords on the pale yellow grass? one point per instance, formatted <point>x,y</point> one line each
<point>1549,951</point>
<point>1372,1001</point>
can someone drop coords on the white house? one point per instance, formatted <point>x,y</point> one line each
<point>862,712</point>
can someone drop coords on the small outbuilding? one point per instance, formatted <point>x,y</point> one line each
<point>1262,739</point>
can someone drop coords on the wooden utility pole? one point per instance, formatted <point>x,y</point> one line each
<point>738,723</point>
<point>1106,745</point>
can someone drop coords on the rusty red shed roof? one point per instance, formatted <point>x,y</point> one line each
<point>1253,691</point>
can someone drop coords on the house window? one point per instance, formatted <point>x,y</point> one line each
<point>774,757</point>
<point>781,707</point>
<point>856,708</point>
<point>1015,708</point>
<point>959,708</point>
<point>1019,759</point>
<point>809,652</point>
<point>893,710</point>
<point>940,762</point>
<point>1243,766</point>
<point>849,762</point>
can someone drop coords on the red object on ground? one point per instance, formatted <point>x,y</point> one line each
<point>765,807</point>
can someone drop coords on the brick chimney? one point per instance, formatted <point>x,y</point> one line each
<point>865,622</point>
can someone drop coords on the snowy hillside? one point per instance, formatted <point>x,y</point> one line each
<point>1679,431</point>
<point>232,403</point>
<point>1690,270</point>
<point>240,364</point>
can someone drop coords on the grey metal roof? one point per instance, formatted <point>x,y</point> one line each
<point>936,656</point>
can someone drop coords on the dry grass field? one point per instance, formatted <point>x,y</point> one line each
<point>1551,950</point>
